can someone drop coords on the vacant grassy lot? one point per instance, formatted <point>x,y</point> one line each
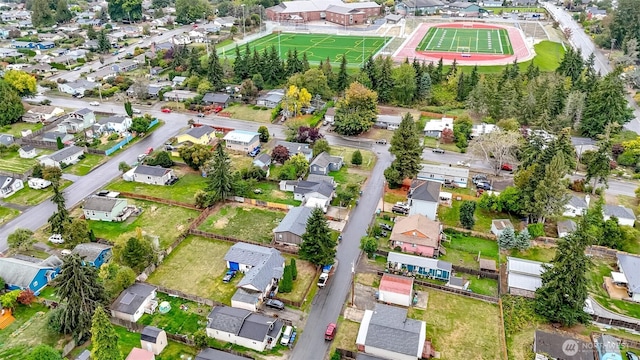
<point>29,330</point>
<point>247,112</point>
<point>451,216</point>
<point>7,214</point>
<point>461,327</point>
<point>246,223</point>
<point>306,276</point>
<point>346,335</point>
<point>16,129</point>
<point>197,267</point>
<point>347,176</point>
<point>84,166</point>
<point>271,192</point>
<point>29,197</point>
<point>178,320</point>
<point>182,191</point>
<point>463,250</point>
<point>164,221</point>
<point>368,158</point>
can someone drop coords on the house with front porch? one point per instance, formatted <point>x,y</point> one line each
<point>45,112</point>
<point>389,122</point>
<point>104,208</point>
<point>116,123</point>
<point>417,234</point>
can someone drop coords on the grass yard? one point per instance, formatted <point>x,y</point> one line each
<point>451,216</point>
<point>520,323</point>
<point>246,223</point>
<point>197,267</point>
<point>29,330</point>
<point>347,176</point>
<point>463,250</point>
<point>247,112</point>
<point>474,41</point>
<point>368,158</point>
<point>271,192</point>
<point>181,191</point>
<point>599,270</point>
<point>393,198</point>
<point>16,129</point>
<point>177,320</point>
<point>319,47</point>
<point>165,221</point>
<point>7,214</point>
<point>306,276</point>
<point>548,57</point>
<point>458,332</point>
<point>536,253</point>
<point>29,197</point>
<point>84,166</point>
<point>432,142</point>
<point>483,286</point>
<point>346,335</point>
<point>12,162</point>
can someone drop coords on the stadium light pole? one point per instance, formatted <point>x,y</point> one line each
<point>363,50</point>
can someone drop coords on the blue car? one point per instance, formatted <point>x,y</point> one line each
<point>228,276</point>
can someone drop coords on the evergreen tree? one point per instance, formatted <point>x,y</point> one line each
<point>599,165</point>
<point>317,245</point>
<point>240,66</point>
<point>63,14</point>
<point>104,338</point>
<point>507,239</point>
<point>369,68</point>
<point>294,268</point>
<point>523,240</point>
<point>356,158</point>
<point>385,80</point>
<point>81,292</point>
<point>561,297</point>
<point>220,180</point>
<point>305,62</point>
<point>128,108</point>
<point>467,211</point>
<point>405,145</point>
<point>550,196</point>
<point>286,284</point>
<point>474,78</point>
<point>461,93</point>
<point>605,105</point>
<point>532,71</point>
<point>423,88</point>
<point>438,74</point>
<point>60,218</point>
<point>41,15</point>
<point>255,65</point>
<point>453,70</point>
<point>104,45</point>
<point>343,78</point>
<point>571,64</point>
<point>264,134</point>
<point>215,72</point>
<point>137,254</point>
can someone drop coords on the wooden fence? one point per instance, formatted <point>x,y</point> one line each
<point>186,296</point>
<point>261,203</point>
<point>159,200</point>
<point>503,332</point>
<point>481,273</point>
<point>466,232</point>
<point>615,322</point>
<point>208,235</point>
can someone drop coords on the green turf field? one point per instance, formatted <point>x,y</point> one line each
<point>318,46</point>
<point>467,40</point>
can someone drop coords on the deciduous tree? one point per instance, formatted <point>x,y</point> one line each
<point>63,14</point>
<point>295,99</point>
<point>11,108</point>
<point>21,239</point>
<point>404,84</point>
<point>137,253</point>
<point>356,158</point>
<point>104,338</point>
<point>467,217</point>
<point>317,245</point>
<point>496,148</point>
<point>44,352</point>
<point>116,278</point>
<point>195,155</point>
<point>280,154</point>
<point>75,232</point>
<point>300,163</point>
<point>369,245</point>
<point>357,111</point>
<point>140,124</point>
<point>22,82</point>
<point>320,146</point>
<point>26,297</point>
<point>41,14</point>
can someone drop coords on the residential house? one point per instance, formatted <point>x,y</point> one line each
<point>595,13</point>
<point>10,53</point>
<point>240,140</point>
<point>216,99</point>
<point>153,175</point>
<point>582,144</point>
<point>225,21</point>
<point>551,345</point>
<point>116,123</point>
<point>389,122</point>
<point>53,136</point>
<point>153,339</point>
<point>629,266</point>
<point>104,73</point>
<point>442,173</point>
<point>179,95</point>
<point>524,277</point>
<point>178,81</point>
<point>77,121</point>
<point>90,44</point>
<point>297,148</point>
<point>607,347</point>
<point>314,194</point>
<point>51,36</point>
<point>498,226</point>
<point>387,332</point>
<point>425,7</point>
<point>463,9</point>
<point>34,275</point>
<point>324,163</point>
<point>182,40</point>
<point>263,161</point>
<point>45,112</point>
<point>93,253</point>
<point>423,198</point>
<point>482,129</point>
<point>42,45</point>
<point>270,99</point>
<point>125,66</point>
<point>27,152</point>
<point>213,354</point>
<point>40,69</point>
<point>524,2</point>
<point>417,234</point>
<point>322,178</point>
<point>68,155</point>
<point>197,135</point>
<point>197,35</point>
<point>566,227</point>
<point>395,289</point>
<point>293,226</point>
<point>116,36</point>
<point>77,87</point>
<point>211,28</point>
<point>262,268</point>
<point>434,128</point>
<point>9,186</point>
<point>329,115</point>
<point>243,327</point>
<point>576,206</point>
<point>625,215</point>
<point>104,208</point>
<point>134,301</point>
<point>140,354</point>
<point>6,139</point>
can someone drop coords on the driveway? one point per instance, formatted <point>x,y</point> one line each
<point>601,311</point>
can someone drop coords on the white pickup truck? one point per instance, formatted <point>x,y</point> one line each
<point>327,271</point>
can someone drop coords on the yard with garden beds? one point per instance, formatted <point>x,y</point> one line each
<point>29,197</point>
<point>243,222</point>
<point>190,181</point>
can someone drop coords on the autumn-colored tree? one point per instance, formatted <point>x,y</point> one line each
<point>447,136</point>
<point>295,99</point>
<point>357,111</point>
<point>280,154</point>
<point>26,297</point>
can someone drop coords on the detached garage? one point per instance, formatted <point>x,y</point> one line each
<point>395,289</point>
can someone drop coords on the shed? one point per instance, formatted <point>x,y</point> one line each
<point>458,282</point>
<point>393,18</point>
<point>140,354</point>
<point>153,339</point>
<point>84,355</point>
<point>498,226</point>
<point>395,289</point>
<point>487,265</point>
<point>566,227</point>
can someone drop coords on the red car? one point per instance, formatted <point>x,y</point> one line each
<point>149,151</point>
<point>331,332</point>
<point>166,110</point>
<point>506,167</point>
<point>218,109</point>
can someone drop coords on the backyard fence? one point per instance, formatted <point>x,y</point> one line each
<point>261,203</point>
<point>185,296</point>
<point>615,322</point>
<point>40,143</point>
<point>96,151</point>
<point>481,273</point>
<point>119,145</point>
<point>159,200</point>
<point>477,234</point>
<point>503,332</point>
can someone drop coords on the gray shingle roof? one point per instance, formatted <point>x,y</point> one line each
<point>425,190</point>
<point>295,221</point>
<point>324,159</point>
<point>631,268</point>
<point>6,139</point>
<point>247,297</point>
<point>115,119</point>
<point>54,135</point>
<point>620,212</point>
<point>227,319</point>
<point>552,344</point>
<point>305,187</point>
<point>456,281</point>
<point>317,178</point>
<point>65,153</point>
<point>423,3</point>
<point>295,148</point>
<point>27,148</point>
<point>150,170</point>
<point>215,98</point>
<point>213,354</point>
<point>577,202</point>
<point>132,298</point>
<point>390,329</point>
<point>257,327</point>
<point>266,263</point>
<point>100,203</point>
<point>150,334</point>
<point>19,272</point>
<point>567,226</point>
<point>200,131</point>
<point>262,160</point>
<point>90,251</point>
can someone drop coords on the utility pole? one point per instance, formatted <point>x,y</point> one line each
<point>244,33</point>
<point>353,283</point>
<point>613,42</point>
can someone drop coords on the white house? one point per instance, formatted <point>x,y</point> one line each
<point>498,226</point>
<point>576,206</point>
<point>388,333</point>
<point>226,21</point>
<point>423,198</point>
<point>524,277</point>
<point>243,327</point>
<point>484,128</point>
<point>9,185</point>
<point>45,112</point>
<point>434,128</point>
<point>625,215</point>
<point>68,155</point>
<point>442,173</point>
<point>27,152</point>
<point>116,123</point>
<point>153,175</point>
<point>77,87</point>
<point>629,266</point>
<point>134,301</point>
<point>395,289</point>
<point>389,122</point>
<point>240,140</point>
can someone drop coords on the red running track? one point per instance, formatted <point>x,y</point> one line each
<point>409,48</point>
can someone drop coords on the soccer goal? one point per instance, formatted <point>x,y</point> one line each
<point>463,49</point>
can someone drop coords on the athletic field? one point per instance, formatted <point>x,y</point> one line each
<point>318,46</point>
<point>467,41</point>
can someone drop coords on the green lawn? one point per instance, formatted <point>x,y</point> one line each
<point>29,330</point>
<point>181,191</point>
<point>29,197</point>
<point>368,158</point>
<point>451,216</point>
<point>596,279</point>
<point>271,192</point>
<point>319,47</point>
<point>393,198</point>
<point>470,244</point>
<point>306,277</point>
<point>197,267</point>
<point>346,176</point>
<point>483,286</point>
<point>247,112</point>
<point>432,142</point>
<point>165,221</point>
<point>16,129</point>
<point>84,166</point>
<point>478,41</point>
<point>12,162</point>
<point>536,253</point>
<point>548,57</point>
<point>185,321</point>
<point>460,327</point>
<point>7,214</point>
<point>246,223</point>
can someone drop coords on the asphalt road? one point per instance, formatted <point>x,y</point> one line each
<point>328,302</point>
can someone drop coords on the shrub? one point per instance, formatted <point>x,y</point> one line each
<point>628,158</point>
<point>356,158</point>
<point>113,137</point>
<point>536,230</point>
<point>577,185</point>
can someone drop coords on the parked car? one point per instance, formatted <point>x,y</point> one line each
<point>56,239</point>
<point>254,152</point>
<point>65,252</point>
<point>200,115</point>
<point>149,151</point>
<point>166,110</point>
<point>228,276</point>
<point>218,109</point>
<point>463,163</point>
<point>381,141</point>
<point>484,186</point>
<point>506,167</point>
<point>588,307</point>
<point>384,234</point>
<point>480,178</point>
<point>632,356</point>
<point>384,226</point>
<point>450,184</point>
<point>141,157</point>
<point>275,304</point>
<point>438,151</point>
<point>94,103</point>
<point>331,332</point>
<point>400,209</point>
<point>136,111</point>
